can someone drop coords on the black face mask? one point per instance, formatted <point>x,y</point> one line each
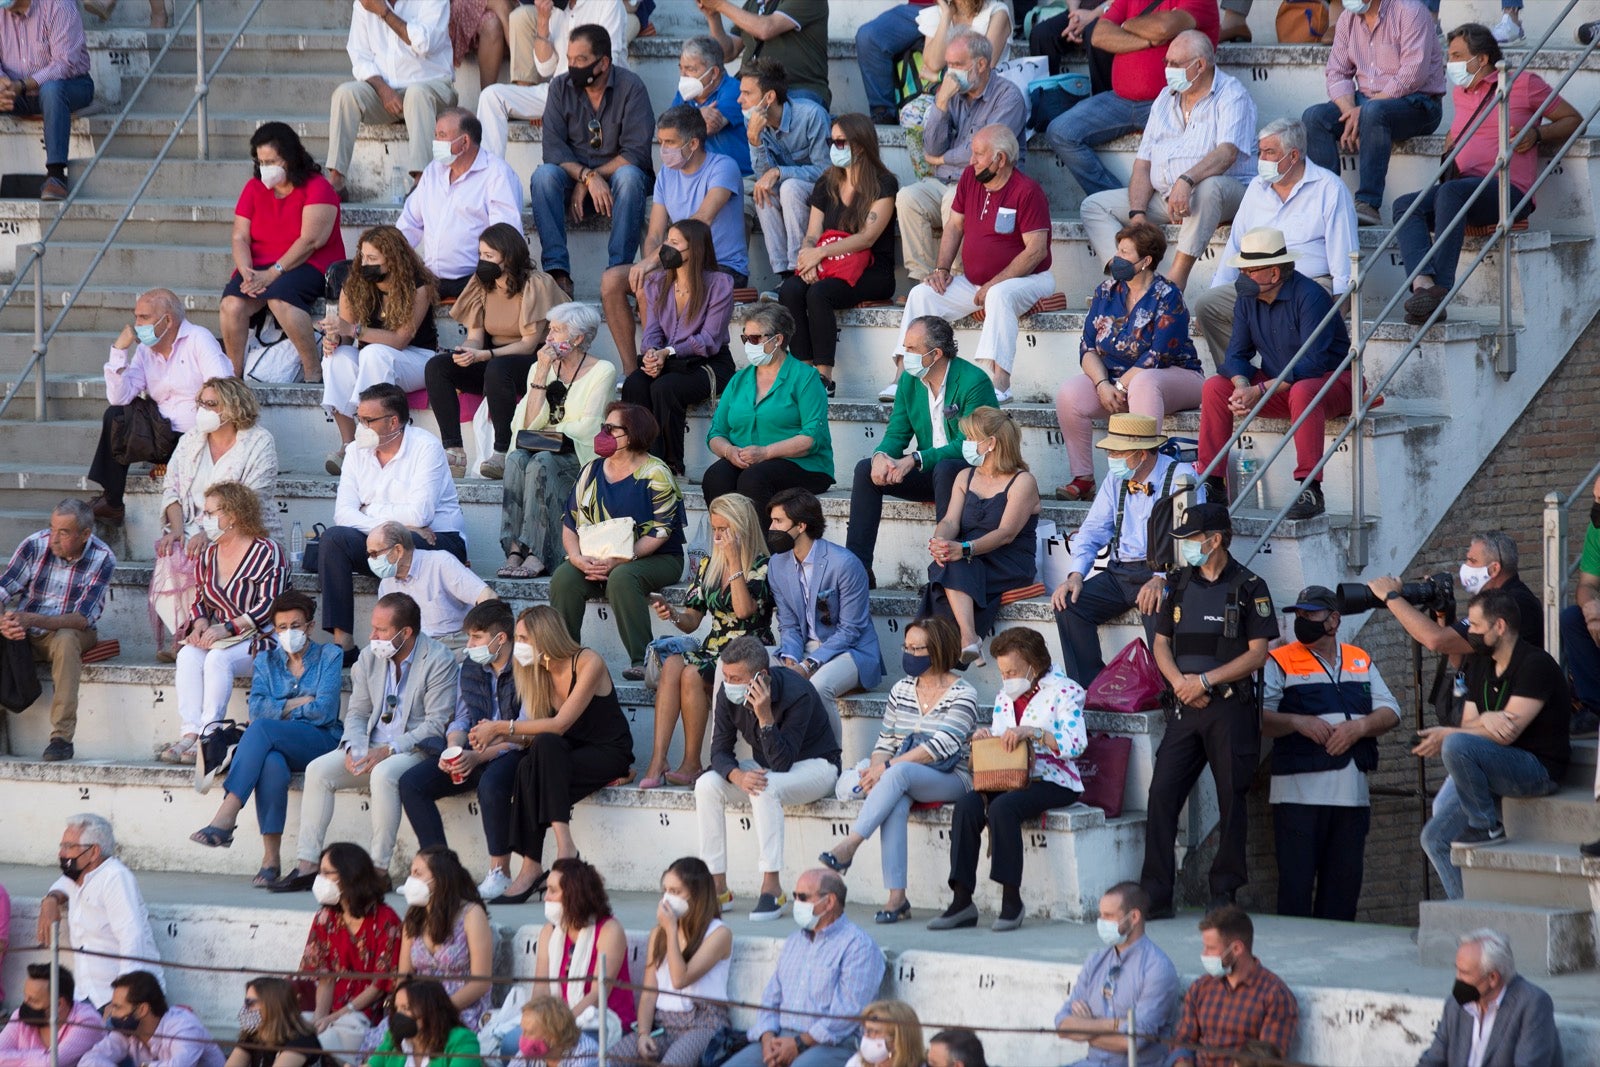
<point>1464,992</point>
<point>71,866</point>
<point>32,1016</point>
<point>670,257</point>
<point>583,77</point>
<point>372,272</point>
<point>402,1026</point>
<point>1309,631</point>
<point>1479,643</point>
<point>1594,514</point>
<point>123,1024</point>
<point>780,541</point>
<point>488,273</point>
<point>985,176</point>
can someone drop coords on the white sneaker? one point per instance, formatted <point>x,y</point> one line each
<point>886,394</point>
<point>1002,396</point>
<point>1508,30</point>
<point>494,885</point>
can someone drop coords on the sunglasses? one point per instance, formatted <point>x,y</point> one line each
<point>594,133</point>
<point>1110,988</point>
<point>839,142</point>
<point>390,704</point>
<point>755,338</point>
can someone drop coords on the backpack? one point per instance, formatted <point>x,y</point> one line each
<point>1049,98</point>
<point>1160,552</point>
<point>908,83</point>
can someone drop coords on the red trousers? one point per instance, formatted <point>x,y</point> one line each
<point>1216,420</point>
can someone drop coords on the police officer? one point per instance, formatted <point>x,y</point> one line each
<point>1325,705</point>
<point>1211,640</point>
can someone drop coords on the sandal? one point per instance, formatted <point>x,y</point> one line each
<point>655,781</point>
<point>179,752</point>
<point>457,459</point>
<point>518,571</point>
<point>684,779</point>
<point>832,863</point>
<point>1077,489</point>
<point>633,674</point>
<point>265,877</point>
<point>888,916</point>
<point>213,837</point>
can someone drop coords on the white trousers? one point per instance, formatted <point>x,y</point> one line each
<point>325,776</point>
<point>205,682</point>
<point>783,224</point>
<point>1211,203</point>
<point>832,680</point>
<point>920,209</point>
<point>499,104</point>
<point>1003,306</point>
<point>806,781</point>
<point>356,102</point>
<point>348,371</point>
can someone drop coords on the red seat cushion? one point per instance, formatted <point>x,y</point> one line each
<point>1053,302</point>
<point>103,650</point>
<point>1520,226</point>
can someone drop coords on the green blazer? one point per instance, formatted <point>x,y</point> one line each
<point>966,387</point>
<point>460,1050</point>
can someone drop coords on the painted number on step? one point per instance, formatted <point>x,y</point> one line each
<point>472,807</point>
<point>1246,442</point>
<point>365,805</point>
<point>987,981</point>
<point>529,946</point>
<point>166,796</point>
<point>158,696</point>
<point>1031,340</point>
<point>83,792</point>
<point>1260,74</point>
<point>1038,841</point>
<point>665,819</point>
<point>1394,259</point>
<point>1344,446</point>
<point>1355,1016</point>
<point>120,59</point>
<point>254,927</point>
<point>894,626</point>
<point>1054,438</point>
<point>172,929</point>
<point>869,432</point>
<point>839,829</point>
<point>1348,164</point>
<point>604,614</point>
<point>744,822</point>
<point>907,973</point>
<point>10,227</point>
<point>1266,548</point>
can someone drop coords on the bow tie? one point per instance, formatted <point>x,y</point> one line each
<point>1141,487</point>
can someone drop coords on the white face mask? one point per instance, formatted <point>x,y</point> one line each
<point>757,354</point>
<point>383,566</point>
<point>1457,73</point>
<point>690,88</point>
<point>1473,579</point>
<point>1178,79</point>
<point>735,693</point>
<point>1357,7</point>
<point>416,891</point>
<point>482,655</point>
<point>293,641</point>
<point>1213,964</point>
<point>971,453</point>
<point>915,363</point>
<point>1015,687</point>
<point>874,1050</point>
<point>442,153</point>
<point>553,912</point>
<point>523,653</point>
<point>212,526</point>
<point>677,905</point>
<point>366,438</point>
<point>383,649</point>
<point>805,914</point>
<point>1268,169</point>
<point>1110,931</point>
<point>326,890</point>
<point>206,420</point>
<point>273,175</point>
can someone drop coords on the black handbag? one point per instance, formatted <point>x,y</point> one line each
<point>313,551</point>
<point>19,679</point>
<point>723,1045</point>
<point>540,441</point>
<point>141,434</point>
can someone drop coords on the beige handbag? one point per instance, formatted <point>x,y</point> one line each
<point>994,770</point>
<point>612,539</point>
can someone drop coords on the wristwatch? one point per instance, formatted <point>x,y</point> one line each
<point>1391,595</point>
<point>810,665</point>
<point>966,550</point>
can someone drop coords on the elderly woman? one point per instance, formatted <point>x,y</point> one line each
<point>567,392</point>
<point>922,754</point>
<point>704,82</point>
<point>1039,706</point>
<point>1427,239</point>
<point>383,331</point>
<point>625,482</point>
<point>687,308</point>
<point>294,718</point>
<point>285,237</point>
<point>984,543</point>
<point>505,308</point>
<point>770,431</point>
<point>238,575</point>
<point>227,444</point>
<point>1136,353</point>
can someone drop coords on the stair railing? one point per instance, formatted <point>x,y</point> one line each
<point>1505,337</point>
<point>1559,563</point>
<point>42,336</point>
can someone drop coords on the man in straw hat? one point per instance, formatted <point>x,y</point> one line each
<point>1278,310</point>
<point>1118,521</point>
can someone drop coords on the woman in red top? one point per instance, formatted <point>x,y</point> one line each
<point>353,932</point>
<point>285,236</point>
<point>579,931</point>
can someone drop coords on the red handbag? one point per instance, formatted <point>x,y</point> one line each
<point>1104,770</point>
<point>848,267</point>
<point>1130,682</point>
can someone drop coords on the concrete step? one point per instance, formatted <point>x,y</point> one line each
<point>1570,816</point>
<point>226,15</point>
<point>1544,940</point>
<point>1530,871</point>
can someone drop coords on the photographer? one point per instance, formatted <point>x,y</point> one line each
<point>1580,628</point>
<point>1491,564</point>
<point>1512,740</point>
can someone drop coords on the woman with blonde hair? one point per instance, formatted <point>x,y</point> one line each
<point>550,1036</point>
<point>383,330</point>
<point>272,1032</point>
<point>227,444</point>
<point>891,1036</point>
<point>730,586</point>
<point>984,545</point>
<point>237,577</point>
<point>577,736</point>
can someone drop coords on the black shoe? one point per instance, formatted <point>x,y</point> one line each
<point>1472,837</point>
<point>522,897</point>
<point>57,750</point>
<point>1584,721</point>
<point>350,657</point>
<point>1216,489</point>
<point>1591,849</point>
<point>888,116</point>
<point>293,882</point>
<point>831,385</point>
<point>1309,504</point>
<point>1423,302</point>
<point>1588,32</point>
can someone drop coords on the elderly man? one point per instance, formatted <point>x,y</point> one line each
<point>1195,158</point>
<point>1000,227</point>
<point>402,694</point>
<point>1385,83</point>
<point>1308,203</point>
<point>693,184</point>
<point>163,355</point>
<point>1130,973</point>
<point>105,913</point>
<point>26,1040</point>
<point>1491,562</point>
<point>539,36</point>
<point>791,33</point>
<point>970,97</point>
<point>44,70</point>
<point>394,471</point>
<point>1237,1004</point>
<point>795,761</point>
<point>1119,520</point>
<point>1326,705</point>
<point>704,83</point>
<point>401,58</point>
<point>61,577</point>
<point>145,1029</point>
<point>597,129</point>
<point>788,139</point>
<point>443,586</point>
<point>1279,312</point>
<point>934,392</point>
<point>1493,1017</point>
<point>1512,742</point>
<point>1137,33</point>
<point>463,192</point>
<point>828,971</point>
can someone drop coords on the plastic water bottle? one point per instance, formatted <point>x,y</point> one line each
<point>297,545</point>
<point>1245,467</point>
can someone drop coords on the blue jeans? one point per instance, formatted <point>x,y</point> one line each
<point>423,785</point>
<point>1484,771</point>
<point>56,101</point>
<point>1449,819</point>
<point>1101,118</point>
<point>877,43</point>
<point>815,1056</point>
<point>888,807</point>
<point>270,751</point>
<point>1383,122</point>
<point>809,94</point>
<point>1583,656</point>
<point>1440,254</point>
<point>549,191</point>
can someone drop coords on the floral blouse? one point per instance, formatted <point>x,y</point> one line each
<point>373,948</point>
<point>725,625</point>
<point>1155,333</point>
<point>1057,709</point>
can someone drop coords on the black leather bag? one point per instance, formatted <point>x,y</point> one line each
<point>313,552</point>
<point>141,434</point>
<point>540,441</point>
<point>19,679</point>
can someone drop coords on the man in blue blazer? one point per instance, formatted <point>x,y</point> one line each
<point>1493,1006</point>
<point>824,619</point>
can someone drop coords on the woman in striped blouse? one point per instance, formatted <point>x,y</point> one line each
<point>923,754</point>
<point>238,575</point>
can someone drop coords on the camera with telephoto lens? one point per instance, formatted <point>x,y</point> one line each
<point>1435,593</point>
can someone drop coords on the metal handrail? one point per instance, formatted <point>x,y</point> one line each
<point>43,336</point>
<point>1558,569</point>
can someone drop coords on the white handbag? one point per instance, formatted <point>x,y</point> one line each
<point>612,539</point>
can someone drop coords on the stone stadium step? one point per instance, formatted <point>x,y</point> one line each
<point>1529,872</point>
<point>1570,816</point>
<point>1545,939</point>
<point>223,16</point>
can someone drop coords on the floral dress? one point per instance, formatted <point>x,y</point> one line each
<point>374,948</point>
<point>451,963</point>
<point>1153,333</point>
<point>725,625</point>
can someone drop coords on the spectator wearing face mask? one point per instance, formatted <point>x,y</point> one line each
<point>550,1036</point>
<point>424,1026</point>
<point>443,586</point>
<point>145,1029</point>
<point>704,82</point>
<point>1494,1016</point>
<point>788,138</point>
<point>1237,1002</point>
<point>26,1039</point>
<point>272,1030</point>
<point>1129,974</point>
<point>891,1036</point>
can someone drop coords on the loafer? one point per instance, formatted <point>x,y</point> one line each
<point>966,917</point>
<point>1423,302</point>
<point>105,511</point>
<point>890,916</point>
<point>293,882</point>
<point>1367,215</point>
<point>53,189</point>
<point>1002,926</point>
<point>57,750</point>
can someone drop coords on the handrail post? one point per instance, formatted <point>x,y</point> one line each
<point>1505,362</point>
<point>600,1015</point>
<point>39,409</point>
<point>55,993</point>
<point>201,89</point>
<point>1133,1041</point>
<point>1357,548</point>
<point>1555,570</point>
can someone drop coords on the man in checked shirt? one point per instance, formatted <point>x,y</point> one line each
<point>1237,1004</point>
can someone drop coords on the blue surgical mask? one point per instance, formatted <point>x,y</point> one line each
<point>1247,287</point>
<point>1110,931</point>
<point>1213,966</point>
<point>735,693</point>
<point>1178,79</point>
<point>839,156</point>
<point>750,113</point>
<point>5,5</point>
<point>970,453</point>
<point>1193,554</point>
<point>145,332</point>
<point>1118,468</point>
<point>757,354</point>
<point>482,655</point>
<point>962,78</point>
<point>1357,7</point>
<point>914,363</point>
<point>383,567</point>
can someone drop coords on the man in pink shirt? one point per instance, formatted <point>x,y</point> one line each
<point>44,70</point>
<point>25,1041</point>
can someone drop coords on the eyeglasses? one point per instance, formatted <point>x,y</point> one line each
<point>916,650</point>
<point>390,703</point>
<point>613,428</point>
<point>374,420</point>
<point>211,405</point>
<point>380,553</point>
<point>755,338</point>
<point>839,142</point>
<point>594,133</point>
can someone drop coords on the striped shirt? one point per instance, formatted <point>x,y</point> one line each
<point>1318,221</point>
<point>45,42</point>
<point>1396,56</point>
<point>261,575</point>
<point>1218,1014</point>
<point>834,971</point>
<point>50,585</point>
<point>1225,115</point>
<point>946,729</point>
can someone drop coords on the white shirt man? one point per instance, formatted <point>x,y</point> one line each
<point>443,587</point>
<point>105,911</point>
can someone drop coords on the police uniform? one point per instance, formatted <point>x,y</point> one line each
<point>1208,624</point>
